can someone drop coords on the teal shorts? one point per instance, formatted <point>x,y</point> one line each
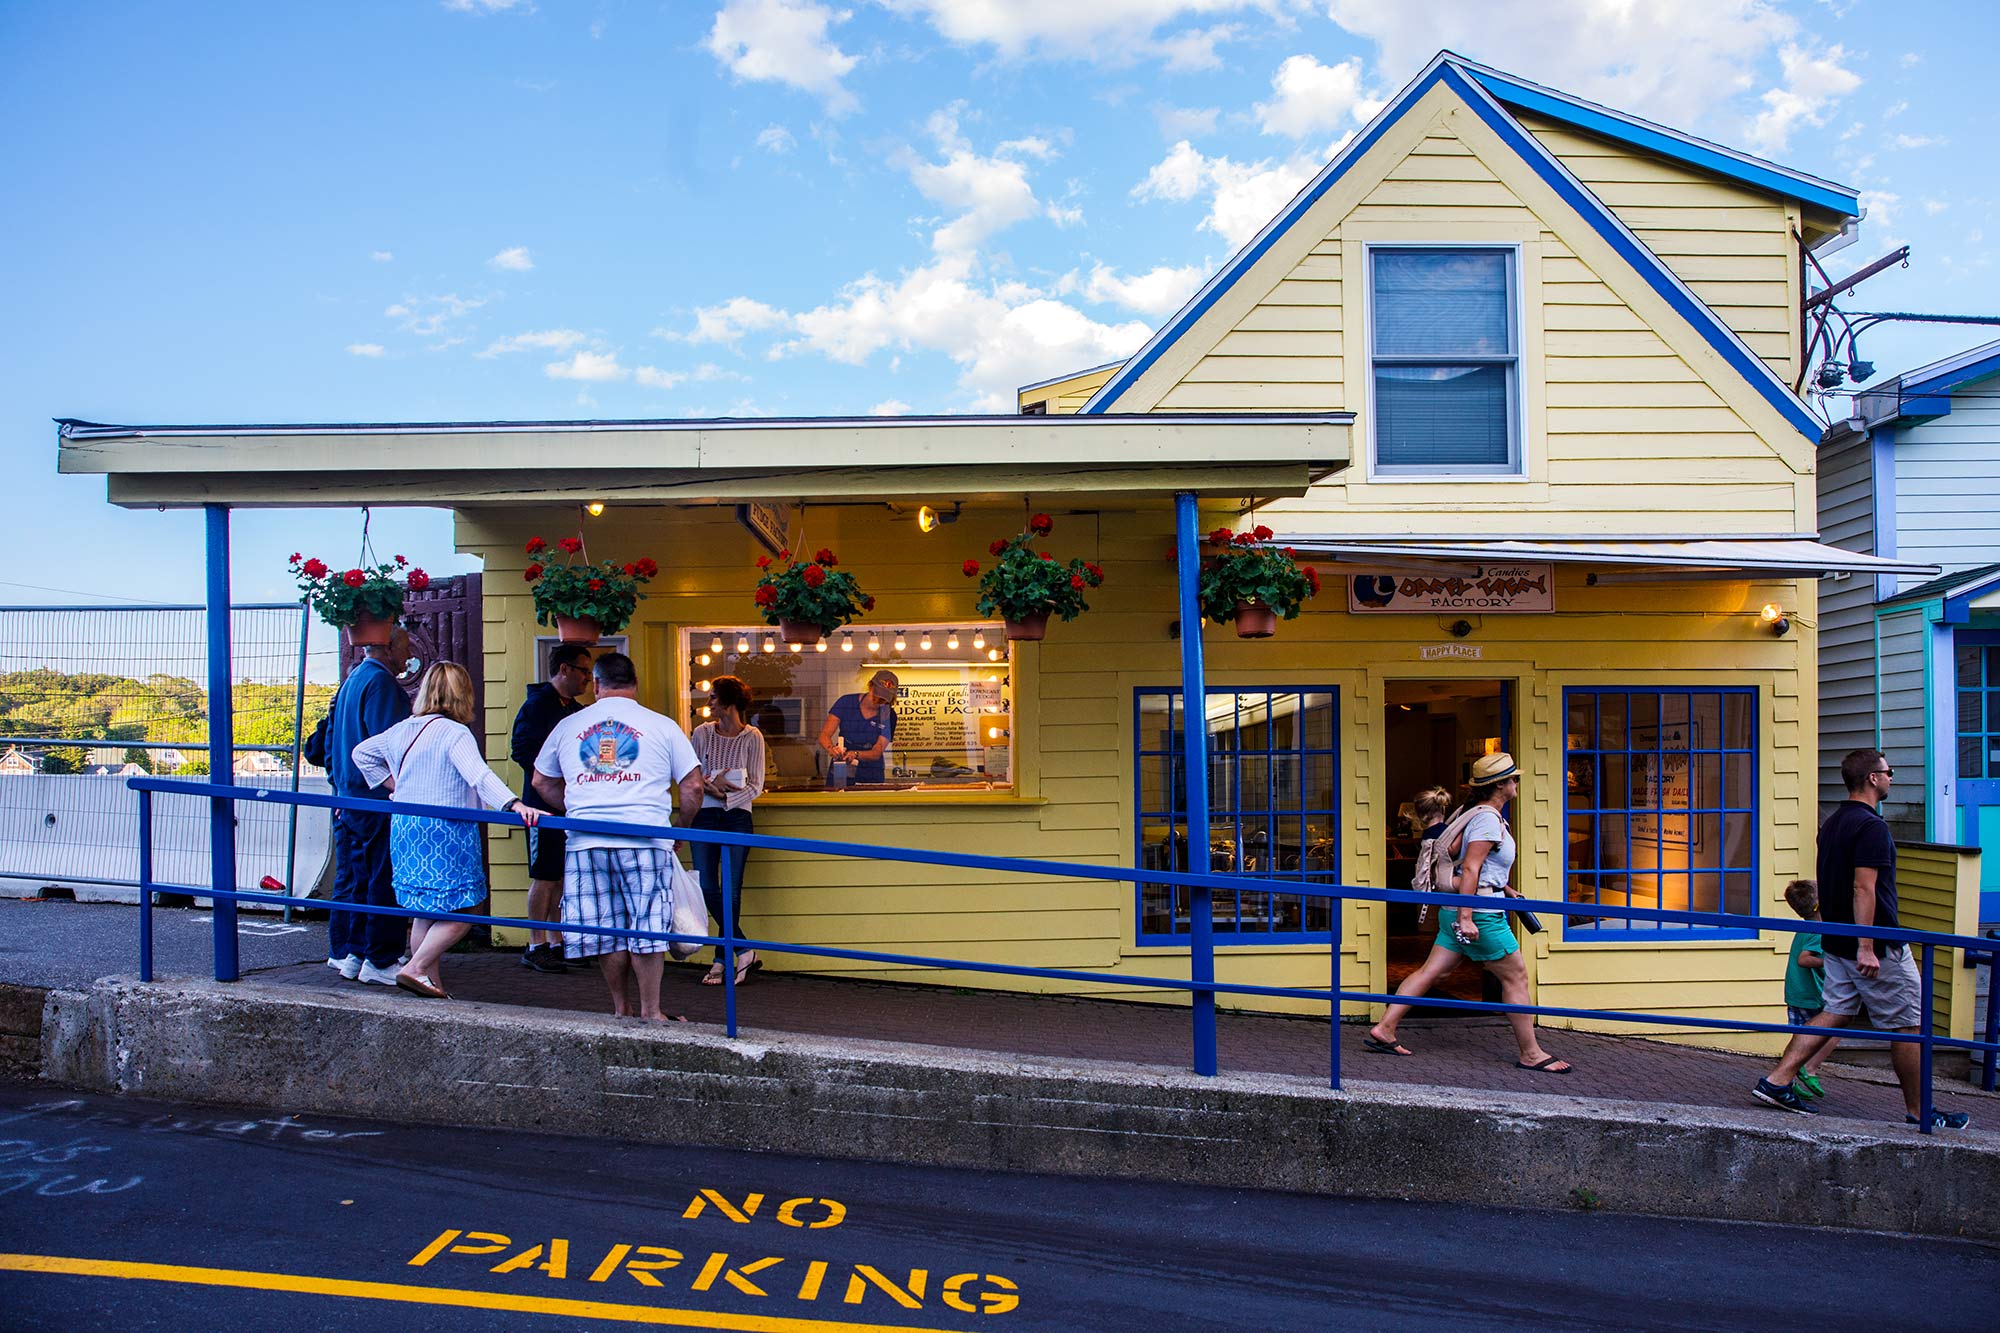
<point>1496,937</point>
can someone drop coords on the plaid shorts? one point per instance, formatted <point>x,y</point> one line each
<point>626,888</point>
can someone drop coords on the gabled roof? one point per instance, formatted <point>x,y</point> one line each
<point>1959,588</point>
<point>1925,393</point>
<point>1465,80</point>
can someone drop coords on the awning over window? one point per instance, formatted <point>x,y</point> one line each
<point>1780,557</point>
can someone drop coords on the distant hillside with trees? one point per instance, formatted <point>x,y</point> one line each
<point>102,709</point>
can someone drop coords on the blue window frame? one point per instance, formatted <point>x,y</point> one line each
<point>1444,355</point>
<point>1661,806</point>
<point>1976,668</point>
<point>1274,796</point>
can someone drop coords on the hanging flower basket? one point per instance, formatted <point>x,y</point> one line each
<point>364,601</point>
<point>1024,586</point>
<point>583,600</point>
<point>1251,583</point>
<point>808,599</point>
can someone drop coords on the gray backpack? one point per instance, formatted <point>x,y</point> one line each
<point>1437,868</point>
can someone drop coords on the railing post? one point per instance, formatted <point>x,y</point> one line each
<point>1926,986</point>
<point>221,744</point>
<point>145,886</point>
<point>1194,754</point>
<point>726,866</point>
<point>1333,1024</point>
<point>1992,1031</point>
<point>298,758</point>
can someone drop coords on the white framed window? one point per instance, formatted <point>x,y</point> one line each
<point>1444,360</point>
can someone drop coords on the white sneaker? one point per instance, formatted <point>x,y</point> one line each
<point>380,976</point>
<point>348,967</point>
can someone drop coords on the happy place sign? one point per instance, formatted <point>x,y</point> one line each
<point>1484,588</point>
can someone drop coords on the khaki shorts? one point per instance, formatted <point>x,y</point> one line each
<point>1893,996</point>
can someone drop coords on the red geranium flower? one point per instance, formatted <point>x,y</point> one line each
<point>1264,534</point>
<point>825,556</point>
<point>814,576</point>
<point>996,546</point>
<point>536,545</point>
<point>630,569</point>
<point>354,578</point>
<point>969,568</point>
<point>418,580</point>
<point>1046,556</point>
<point>1220,537</point>
<point>295,557</point>
<point>531,573</point>
<point>1292,553</point>
<point>571,545</point>
<point>763,562</point>
<point>1096,572</point>
<point>1076,580</point>
<point>867,603</point>
<point>401,561</point>
<point>766,596</point>
<point>314,568</point>
<point>1244,539</point>
<point>595,585</point>
<point>1041,525</point>
<point>646,566</point>
<point>785,554</point>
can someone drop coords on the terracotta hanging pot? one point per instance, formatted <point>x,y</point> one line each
<point>370,631</point>
<point>1254,620</point>
<point>577,629</point>
<point>1034,627</point>
<point>797,631</point>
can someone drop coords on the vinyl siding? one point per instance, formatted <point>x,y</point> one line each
<point>1064,397</point>
<point>1846,614</point>
<point>1904,718</point>
<point>1947,475</point>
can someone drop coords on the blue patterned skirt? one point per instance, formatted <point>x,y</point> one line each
<point>437,863</point>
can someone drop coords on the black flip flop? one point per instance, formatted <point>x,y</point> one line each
<point>1542,1066</point>
<point>1371,1042</point>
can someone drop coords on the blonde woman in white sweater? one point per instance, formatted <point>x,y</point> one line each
<point>432,758</point>
<point>732,774</point>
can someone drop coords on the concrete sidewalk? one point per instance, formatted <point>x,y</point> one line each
<point>1471,1052</point>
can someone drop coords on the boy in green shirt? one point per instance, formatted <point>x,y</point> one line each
<point>1805,975</point>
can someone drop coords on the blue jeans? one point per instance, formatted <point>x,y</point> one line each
<point>361,875</point>
<point>709,859</point>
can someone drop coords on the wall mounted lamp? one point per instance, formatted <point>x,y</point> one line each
<point>930,520</point>
<point>595,509</point>
<point>1774,616</point>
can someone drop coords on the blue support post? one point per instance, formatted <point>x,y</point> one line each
<point>145,886</point>
<point>1929,986</point>
<point>1333,1037</point>
<point>726,866</point>
<point>1194,757</point>
<point>221,744</point>
<point>1992,1029</point>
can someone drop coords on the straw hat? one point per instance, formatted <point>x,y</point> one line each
<point>1494,768</point>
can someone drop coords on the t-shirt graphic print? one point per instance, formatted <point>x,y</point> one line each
<point>619,761</point>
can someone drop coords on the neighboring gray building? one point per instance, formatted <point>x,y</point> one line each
<point>1908,663</point>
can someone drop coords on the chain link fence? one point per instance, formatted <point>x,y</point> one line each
<point>92,695</point>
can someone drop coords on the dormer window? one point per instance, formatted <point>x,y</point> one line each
<point>1444,357</point>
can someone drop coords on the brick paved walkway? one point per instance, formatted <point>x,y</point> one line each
<point>1461,1052</point>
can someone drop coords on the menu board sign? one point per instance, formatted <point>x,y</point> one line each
<point>1482,588</point>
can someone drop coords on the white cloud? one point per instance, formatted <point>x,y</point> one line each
<point>728,322</point>
<point>1064,215</point>
<point>1909,59</point>
<point>1112,32</point>
<point>1243,196</point>
<point>1313,99</point>
<point>1918,140</point>
<point>1880,208</point>
<point>545,340</point>
<point>1813,83</point>
<point>1895,108</point>
<point>890,407</point>
<point>514,259</point>
<point>427,316</point>
<point>989,194</point>
<point>776,139</point>
<point>1159,292</point>
<point>365,349</point>
<point>380,256</point>
<point>710,373</point>
<point>595,367</point>
<point>489,6</point>
<point>1933,207</point>
<point>785,41</point>
<point>1178,122</point>
<point>1194,48</point>
<point>655,378</point>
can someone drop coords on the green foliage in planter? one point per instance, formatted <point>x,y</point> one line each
<point>1238,567</point>
<point>566,584</point>
<point>809,592</point>
<point>344,596</point>
<point>1023,581</point>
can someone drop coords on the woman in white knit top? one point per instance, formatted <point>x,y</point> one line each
<point>432,758</point>
<point>732,773</point>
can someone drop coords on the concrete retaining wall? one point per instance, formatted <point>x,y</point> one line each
<point>21,1029</point>
<point>382,1056</point>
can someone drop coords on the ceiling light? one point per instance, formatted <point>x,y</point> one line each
<point>819,645</point>
<point>770,644</point>
<point>595,509</point>
<point>901,642</point>
<point>874,642</point>
<point>979,638</point>
<point>847,643</point>
<point>951,639</point>
<point>715,644</point>
<point>795,647</point>
<point>925,642</point>
<point>742,643</point>
<point>701,687</point>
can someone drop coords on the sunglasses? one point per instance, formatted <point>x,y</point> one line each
<point>1885,772</point>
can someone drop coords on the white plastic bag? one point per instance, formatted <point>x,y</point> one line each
<point>689,910</point>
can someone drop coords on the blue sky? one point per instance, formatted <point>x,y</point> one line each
<point>473,209</point>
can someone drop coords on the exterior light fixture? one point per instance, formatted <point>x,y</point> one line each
<point>901,642</point>
<point>715,644</point>
<point>595,509</point>
<point>992,654</point>
<point>951,640</point>
<point>925,642</point>
<point>795,647</point>
<point>703,660</point>
<point>847,643</point>
<point>930,520</point>
<point>701,687</point>
<point>874,642</point>
<point>1774,616</point>
<point>770,644</point>
<point>706,711</point>
<point>819,645</point>
<point>979,638</point>
<point>742,643</point>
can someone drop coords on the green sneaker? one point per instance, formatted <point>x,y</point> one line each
<point>1809,1085</point>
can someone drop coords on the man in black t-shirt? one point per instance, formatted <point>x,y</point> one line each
<point>1857,887</point>
<point>541,712</point>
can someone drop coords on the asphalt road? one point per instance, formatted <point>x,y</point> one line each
<point>133,1215</point>
<point>45,942</point>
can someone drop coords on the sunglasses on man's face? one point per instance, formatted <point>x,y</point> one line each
<point>1886,772</point>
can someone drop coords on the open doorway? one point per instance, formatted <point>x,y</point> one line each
<point>1433,732</point>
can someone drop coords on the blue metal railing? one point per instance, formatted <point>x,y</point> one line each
<point>1199,984</point>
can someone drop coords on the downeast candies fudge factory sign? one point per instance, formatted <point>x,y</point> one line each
<point>1487,588</point>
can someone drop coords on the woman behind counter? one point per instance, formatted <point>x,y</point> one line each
<point>732,774</point>
<point>859,728</point>
<point>432,758</point>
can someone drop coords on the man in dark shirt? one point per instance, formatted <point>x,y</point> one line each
<point>369,702</point>
<point>1857,886</point>
<point>544,708</point>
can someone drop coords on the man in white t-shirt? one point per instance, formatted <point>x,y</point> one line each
<point>621,762</point>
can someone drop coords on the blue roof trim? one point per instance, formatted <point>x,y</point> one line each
<point>1938,388</point>
<point>1544,163</point>
<point>1609,124</point>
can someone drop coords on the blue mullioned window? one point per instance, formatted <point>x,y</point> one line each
<point>1444,352</point>
<point>1976,667</point>
<point>1661,806</point>
<point>1274,788</point>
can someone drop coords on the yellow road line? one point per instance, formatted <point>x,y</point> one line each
<point>396,1291</point>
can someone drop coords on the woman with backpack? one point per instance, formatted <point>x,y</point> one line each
<point>1477,849</point>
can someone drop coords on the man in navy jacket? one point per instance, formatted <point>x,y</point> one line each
<point>369,702</point>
